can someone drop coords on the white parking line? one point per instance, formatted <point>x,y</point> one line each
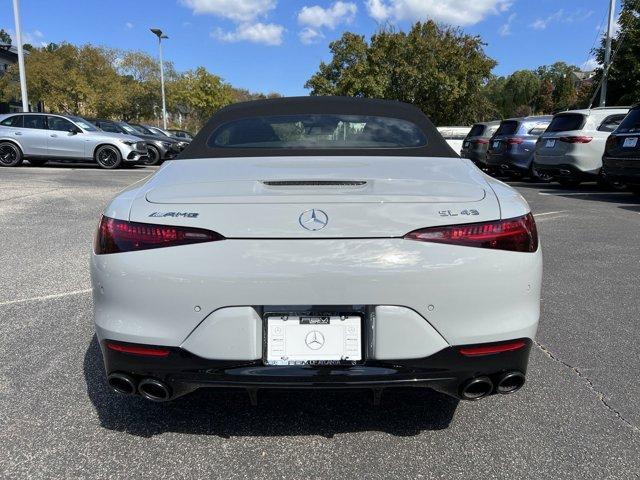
<point>562,194</point>
<point>547,213</point>
<point>45,297</point>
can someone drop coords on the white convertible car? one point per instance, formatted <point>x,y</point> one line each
<point>317,242</point>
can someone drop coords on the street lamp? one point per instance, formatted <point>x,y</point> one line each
<point>23,76</point>
<point>158,33</point>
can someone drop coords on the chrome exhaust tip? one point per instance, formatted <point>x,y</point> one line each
<point>122,383</point>
<point>154,390</point>
<point>510,382</point>
<point>476,388</point>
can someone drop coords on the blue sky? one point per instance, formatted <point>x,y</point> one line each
<point>276,45</point>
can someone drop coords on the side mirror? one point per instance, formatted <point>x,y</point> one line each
<point>75,131</point>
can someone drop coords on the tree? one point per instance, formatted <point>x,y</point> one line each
<point>623,84</point>
<point>5,38</point>
<point>437,68</point>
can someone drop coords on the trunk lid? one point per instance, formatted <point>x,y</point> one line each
<point>361,196</point>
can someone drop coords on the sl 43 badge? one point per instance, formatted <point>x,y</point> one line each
<point>449,213</point>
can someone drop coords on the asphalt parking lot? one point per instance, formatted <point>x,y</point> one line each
<point>577,417</point>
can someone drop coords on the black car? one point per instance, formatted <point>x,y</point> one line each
<point>621,159</point>
<point>159,148</point>
<point>476,143</point>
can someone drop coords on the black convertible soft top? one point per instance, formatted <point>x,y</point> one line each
<point>201,147</point>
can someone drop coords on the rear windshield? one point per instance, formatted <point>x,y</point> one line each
<point>566,122</point>
<point>476,130</point>
<point>318,131</point>
<point>631,122</point>
<point>508,127</point>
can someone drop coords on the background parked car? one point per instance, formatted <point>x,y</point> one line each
<point>454,136</point>
<point>512,146</point>
<point>621,159</point>
<point>165,133</point>
<point>159,148</point>
<point>476,143</point>
<point>571,149</point>
<point>181,134</point>
<point>42,137</point>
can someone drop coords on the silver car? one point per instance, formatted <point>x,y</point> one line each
<point>40,137</point>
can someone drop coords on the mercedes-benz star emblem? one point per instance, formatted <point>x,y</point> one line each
<point>314,340</point>
<point>313,219</point>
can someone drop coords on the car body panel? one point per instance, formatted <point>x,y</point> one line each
<point>476,143</point>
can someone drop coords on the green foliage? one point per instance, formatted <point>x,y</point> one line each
<point>437,68</point>
<point>102,82</point>
<point>623,84</point>
<point>5,38</point>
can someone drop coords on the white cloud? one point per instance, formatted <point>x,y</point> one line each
<point>317,16</point>
<point>265,33</point>
<point>310,35</point>
<point>129,25</point>
<point>456,12</point>
<point>589,65</point>
<point>34,37</point>
<point>560,16</point>
<point>236,10</point>
<point>505,29</point>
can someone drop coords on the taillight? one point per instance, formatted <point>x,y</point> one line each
<point>115,236</point>
<point>514,141</point>
<point>576,139</point>
<point>514,234</point>
<point>481,141</point>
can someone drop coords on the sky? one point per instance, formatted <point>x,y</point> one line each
<point>276,45</point>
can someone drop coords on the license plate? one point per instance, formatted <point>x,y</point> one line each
<point>313,340</point>
<point>630,142</point>
<point>465,145</point>
<point>496,144</point>
<point>550,144</point>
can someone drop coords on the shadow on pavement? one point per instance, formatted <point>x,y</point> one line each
<point>78,166</point>
<point>227,412</point>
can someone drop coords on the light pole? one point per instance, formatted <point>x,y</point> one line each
<point>23,75</point>
<point>158,33</point>
<point>607,53</point>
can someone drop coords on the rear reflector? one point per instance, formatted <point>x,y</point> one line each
<point>491,349</point>
<point>514,234</point>
<point>115,236</point>
<point>576,139</point>
<point>138,350</point>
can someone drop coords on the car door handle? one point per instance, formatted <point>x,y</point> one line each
<point>17,133</point>
<point>53,135</point>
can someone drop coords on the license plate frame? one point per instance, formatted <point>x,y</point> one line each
<point>317,320</point>
<point>630,142</point>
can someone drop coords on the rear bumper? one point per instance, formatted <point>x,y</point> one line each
<point>566,171</point>
<point>622,170</point>
<point>444,371</point>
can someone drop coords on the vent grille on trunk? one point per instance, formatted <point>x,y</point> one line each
<point>314,183</point>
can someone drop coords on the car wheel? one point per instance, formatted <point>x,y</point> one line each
<point>10,154</point>
<point>536,176</point>
<point>153,156</point>
<point>108,156</point>
<point>37,162</point>
<point>569,182</point>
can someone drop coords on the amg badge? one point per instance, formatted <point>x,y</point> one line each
<point>175,214</point>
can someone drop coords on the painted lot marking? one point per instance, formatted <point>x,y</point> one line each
<point>45,297</point>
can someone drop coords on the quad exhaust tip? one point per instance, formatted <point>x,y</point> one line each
<point>122,383</point>
<point>510,382</point>
<point>154,390</point>
<point>476,388</point>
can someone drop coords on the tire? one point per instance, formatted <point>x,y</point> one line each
<point>37,162</point>
<point>569,182</point>
<point>608,185</point>
<point>108,157</point>
<point>535,176</point>
<point>10,154</point>
<point>153,156</point>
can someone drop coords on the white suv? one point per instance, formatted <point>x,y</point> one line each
<point>571,148</point>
